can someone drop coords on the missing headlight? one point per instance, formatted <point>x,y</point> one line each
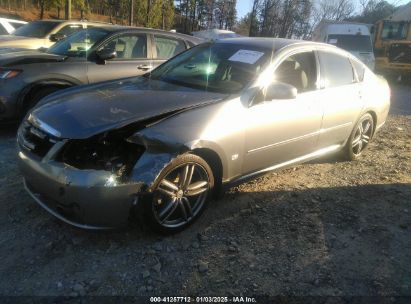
<point>108,152</point>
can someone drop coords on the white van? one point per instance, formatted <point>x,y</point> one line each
<point>352,37</point>
<point>8,26</point>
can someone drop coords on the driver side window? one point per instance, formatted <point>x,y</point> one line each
<point>70,29</point>
<point>129,46</point>
<point>300,71</point>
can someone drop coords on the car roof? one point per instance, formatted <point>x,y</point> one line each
<point>73,21</point>
<point>13,20</point>
<point>274,44</point>
<point>50,20</point>
<point>120,28</point>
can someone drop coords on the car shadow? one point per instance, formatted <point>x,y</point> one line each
<point>345,240</point>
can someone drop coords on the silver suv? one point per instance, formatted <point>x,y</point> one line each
<point>43,33</point>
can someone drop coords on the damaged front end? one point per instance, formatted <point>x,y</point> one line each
<point>107,152</point>
<point>92,183</point>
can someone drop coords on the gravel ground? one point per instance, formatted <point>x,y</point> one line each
<point>326,228</point>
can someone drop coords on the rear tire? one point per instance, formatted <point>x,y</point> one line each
<point>360,137</point>
<point>180,194</point>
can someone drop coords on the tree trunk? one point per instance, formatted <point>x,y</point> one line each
<point>148,12</point>
<point>252,19</point>
<point>131,21</point>
<point>68,10</point>
<point>42,9</point>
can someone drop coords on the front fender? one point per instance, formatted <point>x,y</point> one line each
<point>149,167</point>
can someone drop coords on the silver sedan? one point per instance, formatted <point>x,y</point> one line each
<point>158,147</point>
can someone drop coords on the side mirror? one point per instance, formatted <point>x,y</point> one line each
<point>280,90</point>
<point>105,54</point>
<point>57,37</point>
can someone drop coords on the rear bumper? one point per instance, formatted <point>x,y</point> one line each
<point>87,199</point>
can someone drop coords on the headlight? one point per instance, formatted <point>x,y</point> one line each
<point>108,152</point>
<point>8,73</point>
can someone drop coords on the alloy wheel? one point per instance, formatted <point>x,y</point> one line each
<point>180,195</point>
<point>362,136</point>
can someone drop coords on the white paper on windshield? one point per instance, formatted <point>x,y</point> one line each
<point>246,56</point>
<point>333,41</point>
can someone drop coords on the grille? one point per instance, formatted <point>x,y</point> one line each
<point>400,53</point>
<point>35,140</point>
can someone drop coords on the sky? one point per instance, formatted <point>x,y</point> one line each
<point>245,6</point>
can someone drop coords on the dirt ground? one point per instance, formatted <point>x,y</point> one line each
<point>326,228</point>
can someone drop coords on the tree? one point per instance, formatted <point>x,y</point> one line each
<point>334,9</point>
<point>242,27</point>
<point>374,10</point>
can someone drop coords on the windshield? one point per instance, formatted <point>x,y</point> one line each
<point>36,29</point>
<point>360,43</point>
<point>225,68</point>
<point>78,44</point>
<point>395,30</point>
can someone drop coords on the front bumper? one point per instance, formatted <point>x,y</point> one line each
<point>384,67</point>
<point>10,93</point>
<point>8,108</point>
<point>87,199</point>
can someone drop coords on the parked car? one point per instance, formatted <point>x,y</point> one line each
<point>43,33</point>
<point>350,36</point>
<point>215,34</point>
<point>8,26</point>
<point>216,115</point>
<point>88,56</point>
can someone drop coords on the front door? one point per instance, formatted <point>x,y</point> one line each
<point>282,130</point>
<point>132,58</point>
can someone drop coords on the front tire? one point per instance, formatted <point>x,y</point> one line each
<point>37,96</point>
<point>180,194</point>
<point>359,138</point>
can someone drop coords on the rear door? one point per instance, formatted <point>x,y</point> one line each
<point>132,59</point>
<point>340,97</point>
<point>166,47</point>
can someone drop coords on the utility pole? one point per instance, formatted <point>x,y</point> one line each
<point>131,12</point>
<point>148,12</point>
<point>162,15</point>
<point>68,10</point>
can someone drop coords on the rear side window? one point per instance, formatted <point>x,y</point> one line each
<point>3,30</point>
<point>16,25</point>
<point>168,47</point>
<point>359,70</point>
<point>336,70</point>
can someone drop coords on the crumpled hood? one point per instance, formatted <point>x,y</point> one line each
<point>85,111</point>
<point>17,56</point>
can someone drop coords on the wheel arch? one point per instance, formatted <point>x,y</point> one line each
<point>374,118</point>
<point>215,163</point>
<point>32,88</point>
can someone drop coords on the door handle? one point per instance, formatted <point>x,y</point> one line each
<point>145,67</point>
